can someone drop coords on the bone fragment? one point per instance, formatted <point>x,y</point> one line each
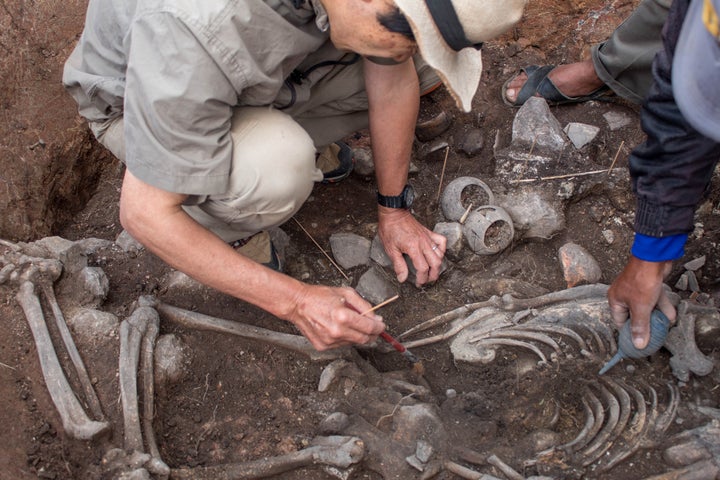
<point>452,315</point>
<point>491,342</point>
<point>521,334</point>
<point>568,332</point>
<point>577,293</point>
<point>610,435</point>
<point>90,395</point>
<point>630,443</point>
<point>613,407</point>
<point>681,342</point>
<point>336,451</point>
<point>465,472</point>
<point>296,343</point>
<point>475,317</point>
<point>506,469</point>
<point>74,419</point>
<point>132,331</point>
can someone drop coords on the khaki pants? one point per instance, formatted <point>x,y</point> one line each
<point>263,194</point>
<point>624,61</point>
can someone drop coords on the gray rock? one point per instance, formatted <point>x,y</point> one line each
<point>88,287</point>
<point>172,358</point>
<point>453,232</point>
<point>90,324</point>
<point>364,162</point>
<point>617,120</point>
<point>334,424</point>
<point>535,127</point>
<point>696,264</point>
<point>609,236</point>
<point>471,141</point>
<point>127,243</point>
<point>682,283</point>
<point>350,250</point>
<point>375,287</point>
<point>378,254</point>
<point>70,253</point>
<point>92,245</point>
<point>580,134</point>
<point>535,214</point>
<point>693,284</point>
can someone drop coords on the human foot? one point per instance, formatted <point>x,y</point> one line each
<point>574,80</point>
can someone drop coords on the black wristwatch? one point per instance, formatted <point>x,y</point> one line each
<point>404,200</point>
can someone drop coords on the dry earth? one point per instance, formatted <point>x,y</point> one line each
<point>243,400</point>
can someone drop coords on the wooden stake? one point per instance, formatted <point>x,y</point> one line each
<point>442,174</point>
<point>321,249</point>
<point>381,304</point>
<point>617,154</point>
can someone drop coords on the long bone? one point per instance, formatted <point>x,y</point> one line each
<point>132,330</point>
<point>335,451</point>
<point>74,419</point>
<point>147,361</point>
<point>90,395</point>
<point>510,303</point>
<point>296,343</point>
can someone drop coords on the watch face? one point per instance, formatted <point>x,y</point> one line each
<point>409,194</point>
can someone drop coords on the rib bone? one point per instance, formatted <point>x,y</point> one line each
<point>74,419</point>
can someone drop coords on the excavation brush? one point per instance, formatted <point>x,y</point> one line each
<point>412,358</point>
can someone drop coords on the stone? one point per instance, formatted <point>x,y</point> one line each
<point>696,264</point>
<point>375,287</point>
<point>693,284</point>
<point>578,265</point>
<point>364,162</point>
<point>609,236</point>
<point>127,243</point>
<point>616,120</point>
<point>172,358</point>
<point>350,250</point>
<point>580,134</point>
<point>535,214</point>
<point>90,324</point>
<point>378,254</point>
<point>535,127</point>
<point>334,424</point>
<point>682,283</point>
<point>471,141</point>
<point>88,287</point>
<point>452,231</point>
<point>70,254</point>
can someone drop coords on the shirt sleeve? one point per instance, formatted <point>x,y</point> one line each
<point>178,108</point>
<point>659,249</point>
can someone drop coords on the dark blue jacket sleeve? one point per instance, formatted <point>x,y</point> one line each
<point>672,168</point>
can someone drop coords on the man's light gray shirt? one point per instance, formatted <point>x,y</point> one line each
<point>176,68</point>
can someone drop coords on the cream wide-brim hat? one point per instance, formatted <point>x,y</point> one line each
<point>481,20</point>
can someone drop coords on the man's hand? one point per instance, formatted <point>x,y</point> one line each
<point>332,317</point>
<point>636,291</point>
<point>401,233</point>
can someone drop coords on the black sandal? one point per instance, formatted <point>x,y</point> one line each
<point>538,82</point>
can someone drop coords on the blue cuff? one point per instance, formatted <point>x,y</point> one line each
<point>659,249</point>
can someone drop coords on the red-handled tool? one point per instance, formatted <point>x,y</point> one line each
<point>395,344</point>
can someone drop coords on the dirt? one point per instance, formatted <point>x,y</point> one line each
<point>244,400</point>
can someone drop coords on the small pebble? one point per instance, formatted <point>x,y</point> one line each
<point>450,393</point>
